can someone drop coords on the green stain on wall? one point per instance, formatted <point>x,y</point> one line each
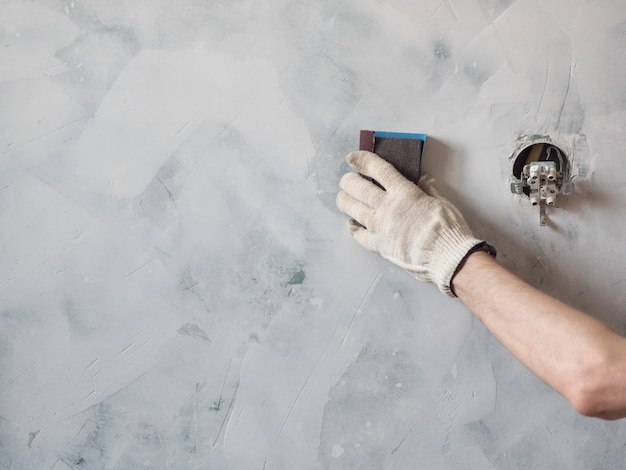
<point>297,278</point>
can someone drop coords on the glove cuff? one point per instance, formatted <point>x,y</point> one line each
<point>482,246</point>
<point>454,250</point>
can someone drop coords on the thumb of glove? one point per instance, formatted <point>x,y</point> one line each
<point>427,184</point>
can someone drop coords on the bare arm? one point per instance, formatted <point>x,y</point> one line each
<point>577,355</point>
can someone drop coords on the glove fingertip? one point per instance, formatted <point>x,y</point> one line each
<point>344,180</point>
<point>365,239</point>
<point>351,158</point>
<point>427,183</point>
<point>426,179</point>
<point>357,159</point>
<point>339,200</point>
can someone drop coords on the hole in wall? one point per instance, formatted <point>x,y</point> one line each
<point>541,152</point>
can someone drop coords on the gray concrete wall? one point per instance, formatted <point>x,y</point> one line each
<point>177,289</point>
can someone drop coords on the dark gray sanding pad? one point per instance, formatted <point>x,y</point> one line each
<point>403,151</point>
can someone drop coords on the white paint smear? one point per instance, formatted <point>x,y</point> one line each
<point>162,98</point>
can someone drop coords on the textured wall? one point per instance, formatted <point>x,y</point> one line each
<point>177,289</point>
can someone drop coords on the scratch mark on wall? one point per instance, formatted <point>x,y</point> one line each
<point>19,80</point>
<point>218,403</point>
<point>395,449</point>
<point>306,382</point>
<point>330,59</point>
<point>183,128</point>
<point>364,300</point>
<point>435,12</point>
<point>105,395</point>
<point>344,76</point>
<point>227,416</point>
<point>137,269</point>
<point>569,83</point>
<point>46,134</point>
<point>126,349</point>
<point>545,86</point>
<point>169,193</point>
<point>452,10</point>
<point>17,377</point>
<point>293,405</point>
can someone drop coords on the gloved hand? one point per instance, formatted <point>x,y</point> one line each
<point>411,226</point>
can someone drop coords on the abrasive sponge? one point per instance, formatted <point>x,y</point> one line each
<point>403,151</point>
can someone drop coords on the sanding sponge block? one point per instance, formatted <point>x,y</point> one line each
<point>403,151</point>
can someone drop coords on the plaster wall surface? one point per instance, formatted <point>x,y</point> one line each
<point>177,288</point>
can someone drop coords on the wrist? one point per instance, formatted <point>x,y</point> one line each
<point>452,249</point>
<point>466,274</point>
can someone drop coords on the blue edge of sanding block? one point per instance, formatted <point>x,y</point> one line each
<point>399,135</point>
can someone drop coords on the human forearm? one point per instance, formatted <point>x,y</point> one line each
<point>574,353</point>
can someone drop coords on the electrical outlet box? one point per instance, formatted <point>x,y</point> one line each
<point>541,171</point>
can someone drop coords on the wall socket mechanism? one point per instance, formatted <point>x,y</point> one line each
<point>541,171</point>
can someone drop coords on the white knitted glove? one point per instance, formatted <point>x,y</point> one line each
<point>411,226</point>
